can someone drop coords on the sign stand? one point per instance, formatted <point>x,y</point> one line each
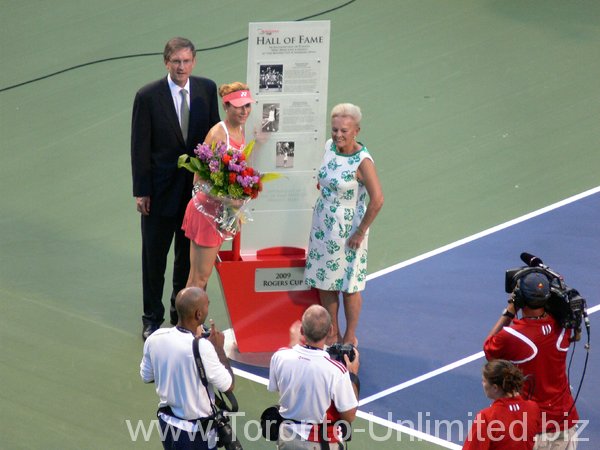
<point>262,278</point>
<point>265,294</point>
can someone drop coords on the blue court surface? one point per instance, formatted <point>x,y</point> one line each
<point>424,321</point>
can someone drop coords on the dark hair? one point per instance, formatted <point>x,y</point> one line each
<point>175,44</point>
<point>504,374</point>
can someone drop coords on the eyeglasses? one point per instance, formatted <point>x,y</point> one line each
<point>181,62</point>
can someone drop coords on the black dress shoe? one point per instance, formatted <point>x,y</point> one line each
<point>149,329</point>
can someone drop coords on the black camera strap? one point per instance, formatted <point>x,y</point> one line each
<point>202,373</point>
<point>219,400</point>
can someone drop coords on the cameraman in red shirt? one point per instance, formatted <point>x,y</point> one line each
<point>538,345</point>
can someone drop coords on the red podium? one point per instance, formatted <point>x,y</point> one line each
<point>264,294</point>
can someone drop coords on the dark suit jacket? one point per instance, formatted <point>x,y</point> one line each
<point>157,142</point>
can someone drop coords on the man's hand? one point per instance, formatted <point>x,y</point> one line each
<point>295,333</point>
<point>143,205</point>
<point>512,305</point>
<point>216,337</point>
<point>352,366</point>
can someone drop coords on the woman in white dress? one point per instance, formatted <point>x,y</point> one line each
<point>336,261</point>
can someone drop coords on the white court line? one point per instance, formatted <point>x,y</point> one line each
<point>419,435</point>
<point>436,372</point>
<point>250,376</point>
<point>593,309</point>
<point>433,373</point>
<point>483,233</point>
<point>397,426</point>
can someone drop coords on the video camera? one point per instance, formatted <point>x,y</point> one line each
<point>565,304</point>
<point>337,352</point>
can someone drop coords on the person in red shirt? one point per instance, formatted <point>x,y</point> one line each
<point>511,422</point>
<point>538,345</point>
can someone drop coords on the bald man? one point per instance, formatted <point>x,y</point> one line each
<point>168,361</point>
<point>313,388</point>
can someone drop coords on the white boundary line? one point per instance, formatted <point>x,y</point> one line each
<point>484,233</point>
<point>250,376</point>
<point>396,426</point>
<point>433,373</point>
<point>407,430</point>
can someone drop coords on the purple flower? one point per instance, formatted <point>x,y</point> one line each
<point>247,181</point>
<point>204,152</point>
<point>214,165</point>
<point>221,149</point>
<point>233,167</point>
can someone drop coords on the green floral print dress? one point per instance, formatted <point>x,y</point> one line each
<point>330,264</point>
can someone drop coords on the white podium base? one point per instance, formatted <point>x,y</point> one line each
<point>258,359</point>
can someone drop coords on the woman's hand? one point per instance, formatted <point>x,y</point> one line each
<point>356,239</point>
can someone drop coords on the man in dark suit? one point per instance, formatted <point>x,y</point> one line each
<point>170,117</point>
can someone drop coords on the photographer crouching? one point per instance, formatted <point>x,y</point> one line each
<point>316,392</point>
<point>538,344</point>
<point>187,363</point>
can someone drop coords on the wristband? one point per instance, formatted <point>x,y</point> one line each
<point>355,381</point>
<point>507,313</point>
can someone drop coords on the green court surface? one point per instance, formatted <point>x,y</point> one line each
<point>475,111</point>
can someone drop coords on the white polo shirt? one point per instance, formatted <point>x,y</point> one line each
<point>308,381</point>
<point>168,360</point>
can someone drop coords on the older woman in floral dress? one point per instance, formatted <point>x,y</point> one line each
<point>337,255</point>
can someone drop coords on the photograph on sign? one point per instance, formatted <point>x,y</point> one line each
<point>284,154</point>
<point>271,78</point>
<point>290,114</point>
<point>292,78</point>
<point>303,154</point>
<point>270,117</point>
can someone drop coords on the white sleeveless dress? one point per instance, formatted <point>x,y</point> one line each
<point>330,264</point>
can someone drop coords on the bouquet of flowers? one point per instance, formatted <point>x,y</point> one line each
<point>227,184</point>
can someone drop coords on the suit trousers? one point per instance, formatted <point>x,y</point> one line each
<point>158,233</point>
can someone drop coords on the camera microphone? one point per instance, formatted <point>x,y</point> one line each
<point>531,260</point>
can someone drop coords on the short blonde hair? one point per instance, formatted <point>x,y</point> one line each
<point>228,88</point>
<point>347,110</point>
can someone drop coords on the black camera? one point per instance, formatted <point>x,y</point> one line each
<point>565,304</point>
<point>226,438</point>
<point>337,352</point>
